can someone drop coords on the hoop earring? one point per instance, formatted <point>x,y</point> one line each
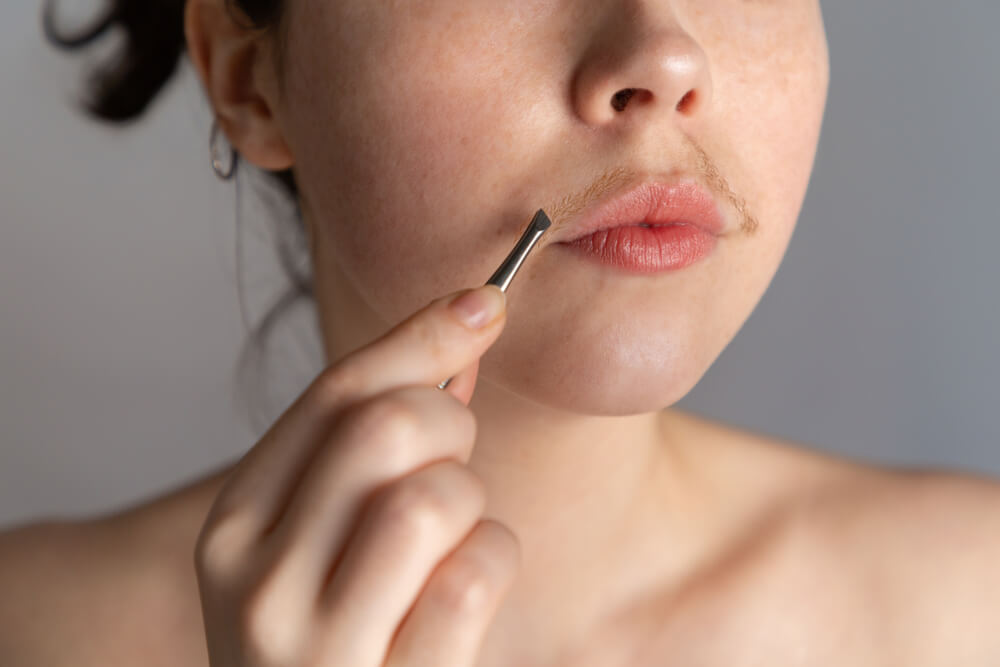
<point>222,153</point>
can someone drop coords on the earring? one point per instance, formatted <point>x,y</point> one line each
<point>222,153</point>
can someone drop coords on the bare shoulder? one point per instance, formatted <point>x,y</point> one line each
<point>924,545</point>
<point>918,548</point>
<point>936,530</point>
<point>955,510</point>
<point>913,521</point>
<point>87,592</point>
<point>50,573</point>
<point>912,554</point>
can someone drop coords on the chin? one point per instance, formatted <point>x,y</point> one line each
<point>598,377</point>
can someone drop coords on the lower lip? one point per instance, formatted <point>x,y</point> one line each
<point>647,249</point>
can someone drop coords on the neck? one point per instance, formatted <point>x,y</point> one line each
<point>602,506</point>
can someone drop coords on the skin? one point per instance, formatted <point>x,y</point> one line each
<point>445,97</point>
<point>423,136</point>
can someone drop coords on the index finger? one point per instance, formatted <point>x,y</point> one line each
<point>434,343</point>
<point>428,346</point>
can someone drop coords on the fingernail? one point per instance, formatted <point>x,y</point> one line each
<point>477,308</point>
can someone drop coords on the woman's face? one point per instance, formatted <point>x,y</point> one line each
<point>426,133</point>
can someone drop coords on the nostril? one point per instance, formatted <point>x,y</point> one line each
<point>621,98</point>
<point>686,102</point>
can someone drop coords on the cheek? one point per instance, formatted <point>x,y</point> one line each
<point>770,100</point>
<point>413,162</point>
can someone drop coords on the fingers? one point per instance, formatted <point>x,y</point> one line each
<point>449,621</point>
<point>325,533</point>
<point>426,348</point>
<point>405,531</point>
<point>430,346</point>
<point>463,384</point>
<point>379,441</point>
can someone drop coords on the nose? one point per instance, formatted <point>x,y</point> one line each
<point>642,62</point>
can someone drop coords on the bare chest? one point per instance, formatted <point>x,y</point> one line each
<point>782,604</point>
<point>782,634</point>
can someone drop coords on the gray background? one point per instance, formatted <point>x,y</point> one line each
<point>120,322</point>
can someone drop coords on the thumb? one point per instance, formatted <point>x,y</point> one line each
<point>463,385</point>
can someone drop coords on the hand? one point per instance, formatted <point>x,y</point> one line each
<point>351,535</point>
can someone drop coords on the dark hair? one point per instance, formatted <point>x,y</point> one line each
<point>122,89</point>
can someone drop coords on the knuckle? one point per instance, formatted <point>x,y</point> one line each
<point>385,426</point>
<point>334,383</point>
<point>264,625</point>
<point>465,584</point>
<point>413,509</point>
<point>218,548</point>
<point>427,332</point>
<point>503,547</point>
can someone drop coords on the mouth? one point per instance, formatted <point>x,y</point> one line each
<point>647,205</point>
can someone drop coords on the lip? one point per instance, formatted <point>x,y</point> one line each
<point>649,203</point>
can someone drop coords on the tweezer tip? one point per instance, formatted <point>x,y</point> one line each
<point>541,221</point>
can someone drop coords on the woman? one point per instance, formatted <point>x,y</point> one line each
<point>563,513</point>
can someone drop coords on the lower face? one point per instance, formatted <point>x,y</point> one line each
<point>427,133</point>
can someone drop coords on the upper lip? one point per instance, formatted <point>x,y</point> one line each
<point>653,202</point>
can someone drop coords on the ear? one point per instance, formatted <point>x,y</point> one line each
<point>238,74</point>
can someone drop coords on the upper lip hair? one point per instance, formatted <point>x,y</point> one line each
<point>677,199</point>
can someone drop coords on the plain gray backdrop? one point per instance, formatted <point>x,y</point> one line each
<point>120,322</point>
